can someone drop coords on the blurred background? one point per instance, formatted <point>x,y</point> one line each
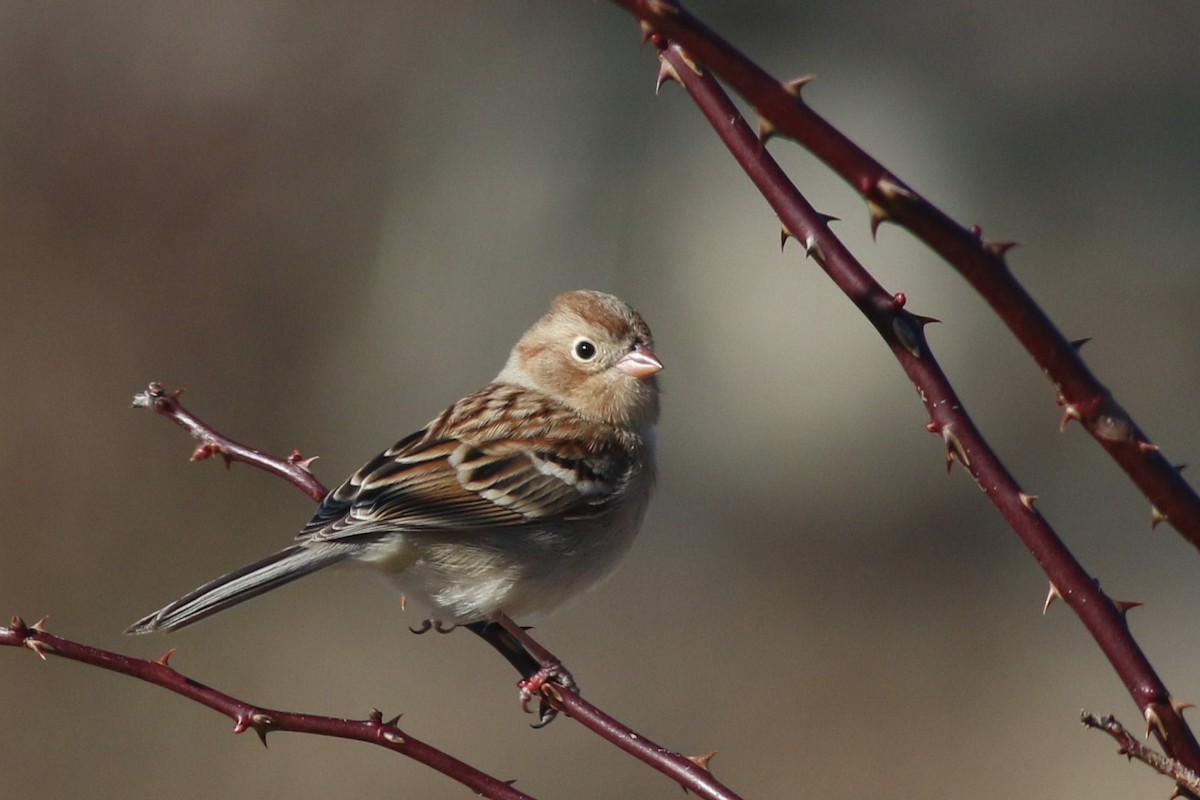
<point>327,223</point>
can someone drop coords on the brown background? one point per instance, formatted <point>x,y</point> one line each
<point>328,224</point>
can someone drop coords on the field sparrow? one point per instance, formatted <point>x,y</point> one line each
<point>511,501</point>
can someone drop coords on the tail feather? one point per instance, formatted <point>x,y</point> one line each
<point>242,584</point>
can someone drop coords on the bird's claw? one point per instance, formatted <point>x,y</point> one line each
<point>545,684</point>
<point>429,624</point>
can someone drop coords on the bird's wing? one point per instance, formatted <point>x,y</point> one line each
<point>432,480</point>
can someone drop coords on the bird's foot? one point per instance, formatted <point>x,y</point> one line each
<point>546,685</point>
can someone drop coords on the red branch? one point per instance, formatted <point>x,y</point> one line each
<point>294,469</point>
<point>373,730</point>
<point>1080,392</point>
<point>904,333</point>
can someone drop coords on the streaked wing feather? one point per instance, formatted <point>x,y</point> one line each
<point>432,481</point>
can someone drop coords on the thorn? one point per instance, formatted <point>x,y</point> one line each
<point>1027,500</point>
<point>879,215</point>
<point>813,249</point>
<point>1156,517</point>
<point>828,218</point>
<point>1178,706</point>
<point>262,726</point>
<point>999,249</point>
<point>1123,606</point>
<point>165,659</point>
<point>295,457</point>
<point>257,721</point>
<point>1154,723</point>
<point>38,647</point>
<point>702,760</point>
<point>1180,467</point>
<point>905,335</point>
<point>1070,412</point>
<point>954,449</point>
<point>666,72</point>
<point>1052,595</point>
<point>1147,447</point>
<point>766,129</point>
<point>893,189</point>
<point>691,63</point>
<point>794,86</point>
<point>40,625</point>
<point>662,8</point>
<point>1079,343</point>
<point>392,722</point>
<point>647,30</point>
<point>784,235</point>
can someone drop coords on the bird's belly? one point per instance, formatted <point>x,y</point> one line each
<point>459,577</point>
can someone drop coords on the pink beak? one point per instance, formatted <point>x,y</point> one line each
<point>640,362</point>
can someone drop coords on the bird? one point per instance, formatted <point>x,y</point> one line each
<point>512,501</point>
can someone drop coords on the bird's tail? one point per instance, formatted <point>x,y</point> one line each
<point>242,584</point>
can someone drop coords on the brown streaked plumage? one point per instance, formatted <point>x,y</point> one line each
<point>514,499</point>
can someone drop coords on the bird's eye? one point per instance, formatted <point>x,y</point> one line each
<point>585,350</point>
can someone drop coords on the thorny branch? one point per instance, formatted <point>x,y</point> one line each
<point>904,333</point>
<point>1080,393</point>
<point>1131,748</point>
<point>295,470</point>
<point>246,716</point>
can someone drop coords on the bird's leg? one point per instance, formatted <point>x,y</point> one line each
<point>550,670</point>
<point>536,665</point>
